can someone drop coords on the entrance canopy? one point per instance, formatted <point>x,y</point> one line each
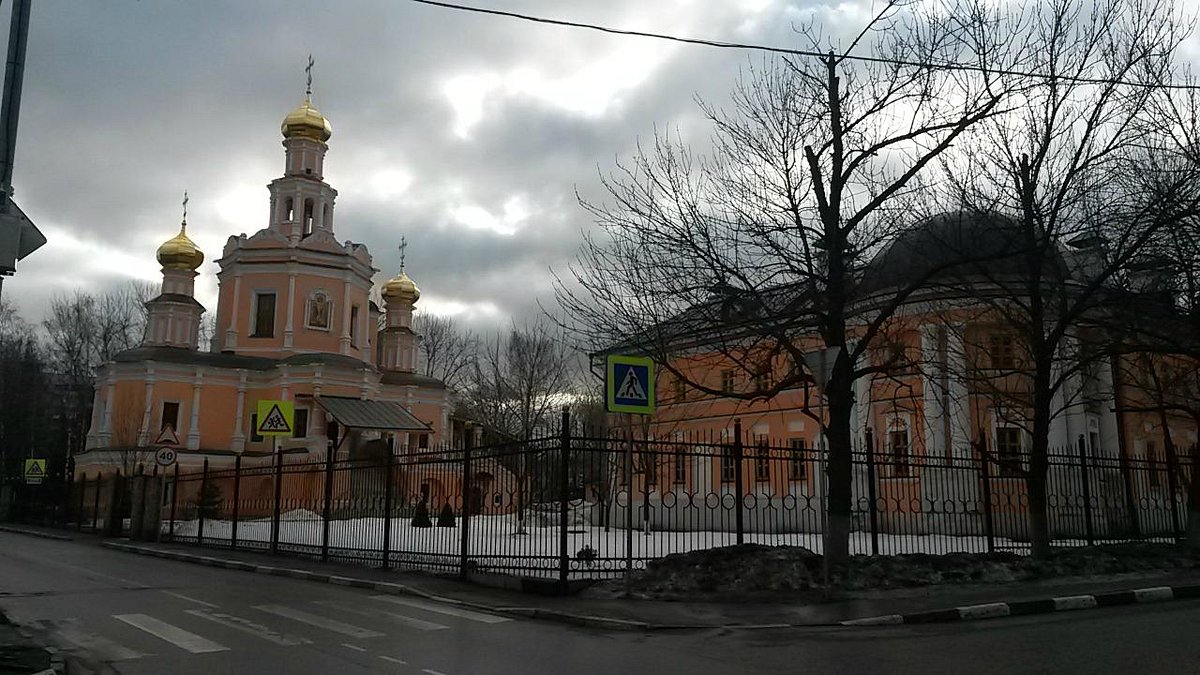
<point>354,413</point>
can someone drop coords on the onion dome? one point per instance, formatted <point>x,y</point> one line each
<point>401,287</point>
<point>306,122</point>
<point>179,252</point>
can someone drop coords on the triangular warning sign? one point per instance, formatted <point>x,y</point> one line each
<point>631,387</point>
<point>167,436</point>
<point>274,422</point>
<point>35,470</point>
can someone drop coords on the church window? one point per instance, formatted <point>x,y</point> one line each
<point>320,308</point>
<point>898,447</point>
<point>308,217</point>
<point>1009,450</point>
<point>797,459</point>
<point>300,427</point>
<point>354,326</point>
<point>1002,352</point>
<point>170,415</point>
<point>288,210</point>
<point>727,381</point>
<point>264,315</point>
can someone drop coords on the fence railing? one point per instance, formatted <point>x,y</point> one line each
<point>578,505</point>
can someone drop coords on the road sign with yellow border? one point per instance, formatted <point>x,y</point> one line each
<point>35,471</point>
<point>630,384</point>
<point>275,418</point>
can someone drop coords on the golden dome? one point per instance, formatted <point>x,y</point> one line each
<point>401,287</point>
<point>179,252</point>
<point>306,122</point>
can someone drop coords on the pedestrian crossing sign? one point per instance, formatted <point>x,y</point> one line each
<point>630,384</point>
<point>35,471</point>
<point>275,418</point>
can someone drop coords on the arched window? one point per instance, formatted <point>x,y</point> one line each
<point>288,210</point>
<point>308,217</point>
<point>319,309</point>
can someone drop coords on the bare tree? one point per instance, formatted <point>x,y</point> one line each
<point>447,350</point>
<point>521,378</point>
<point>1075,163</point>
<point>751,256</point>
<point>24,394</point>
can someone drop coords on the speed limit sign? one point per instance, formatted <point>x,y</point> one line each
<point>165,456</point>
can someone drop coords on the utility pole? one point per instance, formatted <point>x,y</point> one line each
<point>18,236</point>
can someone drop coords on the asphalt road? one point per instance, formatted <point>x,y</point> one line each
<point>112,612</point>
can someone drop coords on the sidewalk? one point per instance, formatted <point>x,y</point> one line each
<point>660,615</point>
<point>920,604</point>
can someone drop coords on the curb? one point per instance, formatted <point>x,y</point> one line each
<point>36,533</point>
<point>392,588</point>
<point>1069,603</point>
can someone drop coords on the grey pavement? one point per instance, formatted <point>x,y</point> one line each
<point>114,612</point>
<point>673,614</point>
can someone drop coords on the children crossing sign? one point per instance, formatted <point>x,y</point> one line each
<point>630,384</point>
<point>35,471</point>
<point>275,418</point>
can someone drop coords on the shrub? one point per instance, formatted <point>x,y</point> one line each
<point>421,516</point>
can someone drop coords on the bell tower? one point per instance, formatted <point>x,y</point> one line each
<point>173,317</point>
<point>397,345</point>
<point>301,200</point>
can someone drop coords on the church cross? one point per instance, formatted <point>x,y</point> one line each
<point>403,245</point>
<point>308,71</point>
<point>185,202</point>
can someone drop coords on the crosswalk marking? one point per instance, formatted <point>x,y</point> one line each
<point>181,596</point>
<point>248,626</point>
<point>392,659</point>
<point>356,648</point>
<point>173,634</point>
<point>95,644</point>
<point>431,672</point>
<point>409,621</point>
<point>439,608</point>
<point>318,621</point>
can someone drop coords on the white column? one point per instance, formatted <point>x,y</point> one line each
<point>345,340</point>
<point>106,428</point>
<point>933,372</point>
<point>193,437</point>
<point>143,438</point>
<point>291,309</point>
<point>231,333</point>
<point>93,437</point>
<point>958,394</point>
<point>239,437</point>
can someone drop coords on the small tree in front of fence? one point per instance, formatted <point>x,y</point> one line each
<point>208,501</point>
<point>421,515</point>
<point>446,516</point>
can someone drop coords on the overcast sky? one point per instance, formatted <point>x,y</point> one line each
<point>468,134</point>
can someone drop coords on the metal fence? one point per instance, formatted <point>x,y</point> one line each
<point>578,505</point>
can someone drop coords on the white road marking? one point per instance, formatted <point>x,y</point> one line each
<point>393,660</point>
<point>248,626</point>
<point>356,648</point>
<point>409,621</point>
<point>431,672</point>
<point>181,596</point>
<point>173,634</point>
<point>95,644</point>
<point>440,608</point>
<point>318,621</point>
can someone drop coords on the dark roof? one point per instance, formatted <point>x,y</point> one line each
<point>178,298</point>
<point>359,414</point>
<point>955,245</point>
<point>231,360</point>
<point>392,377</point>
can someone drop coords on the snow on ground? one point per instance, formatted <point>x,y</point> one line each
<point>494,541</point>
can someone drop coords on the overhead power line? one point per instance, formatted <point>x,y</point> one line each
<point>721,44</point>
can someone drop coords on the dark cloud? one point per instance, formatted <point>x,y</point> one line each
<point>128,103</point>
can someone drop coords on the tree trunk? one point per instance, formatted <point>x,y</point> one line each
<point>1193,517</point>
<point>1039,464</point>
<point>840,399</point>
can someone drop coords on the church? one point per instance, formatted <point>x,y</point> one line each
<point>295,321</point>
